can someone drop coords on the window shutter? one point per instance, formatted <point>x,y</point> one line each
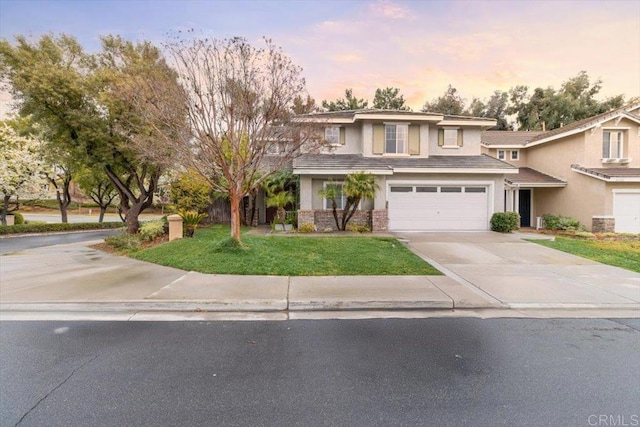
<point>342,136</point>
<point>378,139</point>
<point>440,137</point>
<point>460,137</point>
<point>414,139</point>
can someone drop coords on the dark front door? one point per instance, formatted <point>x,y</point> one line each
<point>524,201</point>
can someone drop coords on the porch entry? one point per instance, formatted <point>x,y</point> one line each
<point>524,207</point>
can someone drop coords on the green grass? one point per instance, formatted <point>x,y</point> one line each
<point>620,253</point>
<point>210,252</point>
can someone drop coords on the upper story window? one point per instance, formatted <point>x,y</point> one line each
<point>396,138</point>
<point>450,137</point>
<point>515,155</point>
<point>612,144</point>
<point>502,155</point>
<point>332,135</point>
<point>274,148</point>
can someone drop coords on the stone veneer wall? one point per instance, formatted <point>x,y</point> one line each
<point>323,219</point>
<point>379,220</point>
<point>603,224</point>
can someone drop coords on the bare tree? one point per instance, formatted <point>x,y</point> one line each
<point>239,107</point>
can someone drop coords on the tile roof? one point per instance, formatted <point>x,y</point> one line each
<point>609,173</point>
<point>534,178</point>
<point>359,162</point>
<point>350,114</point>
<point>507,137</point>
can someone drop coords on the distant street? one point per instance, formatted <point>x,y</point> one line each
<point>74,217</point>
<point>439,372</point>
<point>14,244</point>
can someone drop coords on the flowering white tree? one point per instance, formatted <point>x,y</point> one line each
<point>20,168</point>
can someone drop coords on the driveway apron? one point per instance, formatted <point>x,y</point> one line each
<point>519,273</point>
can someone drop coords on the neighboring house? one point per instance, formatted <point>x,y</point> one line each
<point>589,170</point>
<point>429,167</point>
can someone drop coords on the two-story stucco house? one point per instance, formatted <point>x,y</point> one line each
<point>429,168</point>
<point>589,170</point>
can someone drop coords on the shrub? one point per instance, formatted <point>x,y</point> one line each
<point>505,222</point>
<point>358,228</point>
<point>124,242</point>
<point>291,217</point>
<point>307,227</point>
<point>151,229</point>
<point>40,227</point>
<point>191,219</point>
<point>18,219</point>
<point>553,222</point>
<point>190,192</point>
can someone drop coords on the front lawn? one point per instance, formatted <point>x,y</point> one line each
<point>288,255</point>
<point>620,253</point>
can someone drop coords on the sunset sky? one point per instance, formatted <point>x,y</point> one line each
<point>417,46</point>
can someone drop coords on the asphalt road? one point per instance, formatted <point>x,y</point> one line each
<point>14,244</point>
<point>439,371</point>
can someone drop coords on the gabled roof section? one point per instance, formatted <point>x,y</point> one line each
<point>610,174</point>
<point>351,116</point>
<point>585,124</point>
<point>507,138</point>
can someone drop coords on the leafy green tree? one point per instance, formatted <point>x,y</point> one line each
<point>97,185</point>
<point>357,186</point>
<point>304,105</point>
<point>449,103</point>
<point>349,102</point>
<point>546,108</point>
<point>389,99</point>
<point>100,110</point>
<point>190,192</point>
<point>495,108</point>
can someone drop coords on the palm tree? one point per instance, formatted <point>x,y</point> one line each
<point>357,186</point>
<point>280,200</point>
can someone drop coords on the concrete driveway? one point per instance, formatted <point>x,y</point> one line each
<point>522,274</point>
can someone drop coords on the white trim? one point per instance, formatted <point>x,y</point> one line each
<point>616,128</point>
<point>381,116</point>
<point>343,199</point>
<point>612,179</point>
<point>489,123</point>
<point>517,159</point>
<point>536,184</point>
<point>450,147</point>
<point>626,190</point>
<point>501,146</point>
<point>456,170</point>
<point>341,171</point>
<point>504,152</point>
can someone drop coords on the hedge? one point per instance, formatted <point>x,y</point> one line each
<point>505,222</point>
<point>45,228</point>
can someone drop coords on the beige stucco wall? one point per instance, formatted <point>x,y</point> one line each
<point>521,162</point>
<point>470,145</point>
<point>582,199</point>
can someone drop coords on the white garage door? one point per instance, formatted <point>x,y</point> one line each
<point>438,207</point>
<point>626,211</point>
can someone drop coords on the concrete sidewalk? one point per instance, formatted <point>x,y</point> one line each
<point>76,277</point>
<point>484,271</point>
